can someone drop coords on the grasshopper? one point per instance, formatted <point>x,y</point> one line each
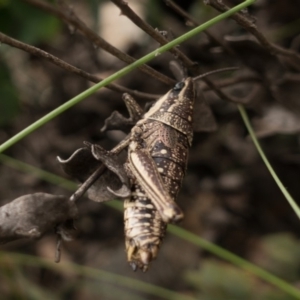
<point>157,159</point>
<point>158,146</point>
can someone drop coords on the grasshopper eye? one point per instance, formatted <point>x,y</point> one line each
<point>179,86</point>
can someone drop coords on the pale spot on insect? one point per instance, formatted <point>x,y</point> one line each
<point>160,170</point>
<point>163,151</point>
<point>189,118</point>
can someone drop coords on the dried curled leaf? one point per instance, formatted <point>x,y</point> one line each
<point>80,165</point>
<point>118,121</point>
<point>83,163</point>
<point>30,216</point>
<point>111,161</point>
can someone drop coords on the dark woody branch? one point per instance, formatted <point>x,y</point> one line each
<point>222,43</point>
<point>69,17</point>
<point>267,54</point>
<point>192,66</point>
<point>248,25</point>
<point>194,22</point>
<point>64,65</point>
<point>130,14</point>
<point>93,78</point>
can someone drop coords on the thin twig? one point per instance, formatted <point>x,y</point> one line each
<point>98,172</point>
<point>192,66</point>
<point>93,78</point>
<point>194,22</point>
<point>70,18</point>
<point>131,15</point>
<point>88,183</point>
<point>247,24</point>
<point>64,65</point>
<point>224,44</point>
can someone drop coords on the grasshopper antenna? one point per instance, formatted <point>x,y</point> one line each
<point>214,72</point>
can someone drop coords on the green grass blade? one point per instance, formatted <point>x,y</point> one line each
<point>97,274</point>
<point>286,194</point>
<point>187,236</point>
<point>54,113</point>
<point>236,260</point>
<point>49,177</point>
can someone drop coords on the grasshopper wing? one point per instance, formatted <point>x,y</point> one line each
<point>145,170</point>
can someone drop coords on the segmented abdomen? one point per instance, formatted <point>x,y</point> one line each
<point>144,228</point>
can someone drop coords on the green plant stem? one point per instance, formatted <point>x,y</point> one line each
<point>100,275</point>
<point>286,194</point>
<point>236,260</point>
<point>49,177</point>
<point>34,126</point>
<point>181,233</point>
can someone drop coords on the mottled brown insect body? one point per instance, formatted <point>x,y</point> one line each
<point>157,159</point>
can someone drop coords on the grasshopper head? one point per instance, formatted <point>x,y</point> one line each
<point>179,101</point>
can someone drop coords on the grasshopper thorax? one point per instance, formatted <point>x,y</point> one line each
<point>176,107</point>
